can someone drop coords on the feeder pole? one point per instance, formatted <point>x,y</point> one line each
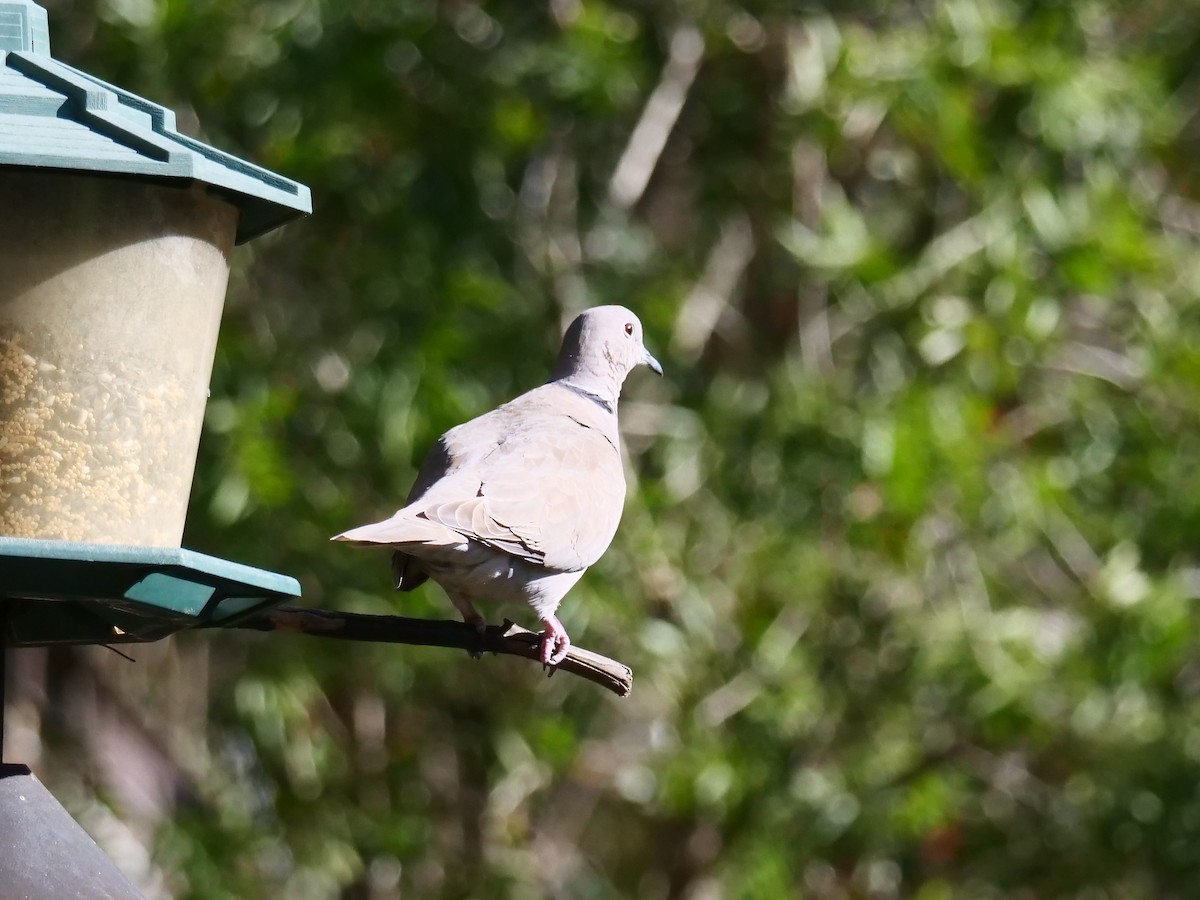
<point>3,669</point>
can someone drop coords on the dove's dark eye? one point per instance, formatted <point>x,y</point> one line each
<point>629,328</point>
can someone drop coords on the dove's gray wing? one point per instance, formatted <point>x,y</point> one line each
<point>539,478</point>
<point>459,447</point>
<point>407,571</point>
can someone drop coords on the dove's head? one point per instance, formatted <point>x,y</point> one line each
<point>600,348</point>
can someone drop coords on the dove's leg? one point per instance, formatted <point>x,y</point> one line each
<point>480,627</point>
<point>468,611</point>
<point>472,617</point>
<point>544,592</point>
<point>555,642</point>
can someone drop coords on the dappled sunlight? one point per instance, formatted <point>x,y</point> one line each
<point>907,570</point>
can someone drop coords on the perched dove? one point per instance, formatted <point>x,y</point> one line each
<point>516,504</point>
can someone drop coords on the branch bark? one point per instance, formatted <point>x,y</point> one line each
<point>508,638</point>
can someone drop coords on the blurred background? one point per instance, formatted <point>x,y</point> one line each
<point>908,571</point>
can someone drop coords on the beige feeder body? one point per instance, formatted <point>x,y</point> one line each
<point>115,242</point>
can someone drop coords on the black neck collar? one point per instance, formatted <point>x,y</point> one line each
<point>595,398</point>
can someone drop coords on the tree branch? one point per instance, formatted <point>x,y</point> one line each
<point>507,638</point>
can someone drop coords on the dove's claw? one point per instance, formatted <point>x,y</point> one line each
<point>477,622</point>
<point>555,642</point>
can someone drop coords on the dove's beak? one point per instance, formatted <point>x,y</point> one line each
<point>648,360</point>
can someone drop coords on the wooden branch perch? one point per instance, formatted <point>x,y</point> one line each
<point>507,638</point>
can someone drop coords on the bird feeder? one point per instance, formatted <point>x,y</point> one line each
<point>115,240</point>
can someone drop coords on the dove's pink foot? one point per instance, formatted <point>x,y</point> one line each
<point>555,642</point>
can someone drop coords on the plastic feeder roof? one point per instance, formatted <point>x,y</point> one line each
<point>55,117</point>
<point>58,592</point>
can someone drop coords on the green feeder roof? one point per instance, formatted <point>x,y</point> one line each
<point>54,116</point>
<point>58,592</point>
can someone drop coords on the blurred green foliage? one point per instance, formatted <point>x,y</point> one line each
<point>908,575</point>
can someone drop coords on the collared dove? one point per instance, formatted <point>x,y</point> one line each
<point>518,503</point>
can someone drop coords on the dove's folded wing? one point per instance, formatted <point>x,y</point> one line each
<point>549,491</point>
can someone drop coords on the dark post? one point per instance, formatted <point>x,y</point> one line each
<point>3,669</point>
<point>44,853</point>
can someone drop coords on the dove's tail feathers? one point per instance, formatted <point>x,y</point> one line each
<point>408,572</point>
<point>403,528</point>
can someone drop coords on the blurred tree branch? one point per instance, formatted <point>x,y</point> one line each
<point>507,638</point>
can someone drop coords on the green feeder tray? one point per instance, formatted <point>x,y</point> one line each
<point>57,592</point>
